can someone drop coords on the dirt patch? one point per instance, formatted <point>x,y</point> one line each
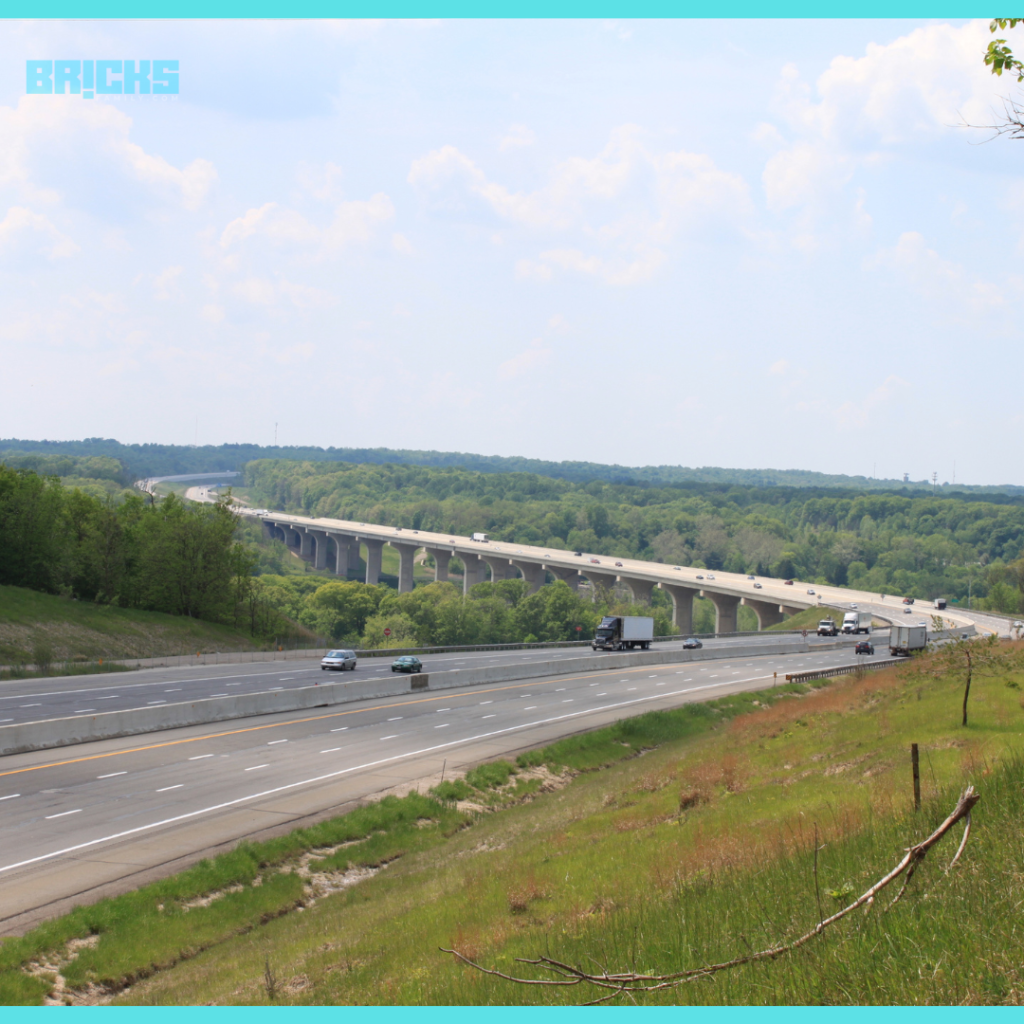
<point>51,969</point>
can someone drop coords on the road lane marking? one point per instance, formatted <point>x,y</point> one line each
<point>601,695</point>
<point>218,695</point>
<point>486,702</point>
<point>167,789</point>
<point>398,719</point>
<point>255,766</point>
<point>199,757</point>
<point>31,705</point>
<point>156,702</point>
<point>330,750</point>
<point>111,775</point>
<point>393,736</point>
<point>10,796</point>
<point>354,768</point>
<point>84,711</point>
<point>63,814</point>
<point>568,700</point>
<point>292,721</point>
<point>443,725</point>
<point>490,716</point>
<point>272,742</point>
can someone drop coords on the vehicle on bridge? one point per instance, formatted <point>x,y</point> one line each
<point>827,627</point>
<point>480,538</point>
<point>692,644</point>
<point>940,603</point>
<point>864,647</point>
<point>624,632</point>
<point>904,640</point>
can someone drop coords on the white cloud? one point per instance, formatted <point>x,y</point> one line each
<point>616,271</point>
<point>401,244</point>
<point>936,278</point>
<point>101,129</point>
<point>22,230</point>
<point>531,358</point>
<point>518,135</point>
<point>353,221</point>
<point>166,283</point>
<point>860,413</point>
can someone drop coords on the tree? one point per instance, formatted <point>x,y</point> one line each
<point>967,655</point>
<point>999,58</point>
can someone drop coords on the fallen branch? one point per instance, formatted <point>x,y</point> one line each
<point>626,983</point>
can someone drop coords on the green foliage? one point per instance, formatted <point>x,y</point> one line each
<point>490,775</point>
<point>999,57</point>
<point>897,543</point>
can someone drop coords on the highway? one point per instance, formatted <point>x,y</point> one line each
<point>35,700</point>
<point>88,821</point>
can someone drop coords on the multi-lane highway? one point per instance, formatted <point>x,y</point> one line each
<point>85,821</point>
<point>34,700</point>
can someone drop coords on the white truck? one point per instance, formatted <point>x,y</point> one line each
<point>480,538</point>
<point>857,622</point>
<point>623,632</point>
<point>827,627</point>
<point>904,640</point>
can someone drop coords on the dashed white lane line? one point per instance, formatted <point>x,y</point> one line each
<point>218,694</point>
<point>568,700</point>
<point>344,771</point>
<point>63,814</point>
<point>285,679</point>
<point>167,789</point>
<point>255,766</point>
<point>398,719</point>
<point>483,702</point>
<point>439,710</point>
<point>561,689</point>
<point>601,695</point>
<point>269,688</point>
<point>112,696</point>
<point>393,736</point>
<point>173,691</point>
<point>342,729</point>
<point>30,705</point>
<point>443,725</point>
<point>10,796</point>
<point>630,689</point>
<point>111,775</point>
<point>199,757</point>
<point>272,742</point>
<point>84,711</point>
<point>330,750</point>
<point>156,702</point>
<point>6,719</point>
<point>490,716</point>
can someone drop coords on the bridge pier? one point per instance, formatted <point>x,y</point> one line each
<point>501,568</point>
<point>474,566</point>
<point>602,581</point>
<point>570,576</point>
<point>346,553</point>
<point>725,610</point>
<point>305,545</point>
<point>640,589</point>
<point>406,562</point>
<point>319,553</point>
<point>533,573</point>
<point>682,605</point>
<point>374,551</point>
<point>441,559</point>
<point>768,613</point>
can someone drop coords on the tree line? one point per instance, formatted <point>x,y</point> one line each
<point>924,546</point>
<point>169,556</point>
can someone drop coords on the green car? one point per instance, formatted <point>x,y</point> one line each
<point>407,663</point>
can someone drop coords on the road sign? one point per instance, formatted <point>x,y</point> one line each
<point>387,631</point>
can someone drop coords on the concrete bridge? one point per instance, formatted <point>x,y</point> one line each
<point>337,544</point>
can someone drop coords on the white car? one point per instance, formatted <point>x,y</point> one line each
<point>339,661</point>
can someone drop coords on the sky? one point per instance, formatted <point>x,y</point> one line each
<point>755,244</point>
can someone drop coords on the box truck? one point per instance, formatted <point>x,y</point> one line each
<point>857,622</point>
<point>904,640</point>
<point>623,632</point>
<point>827,627</point>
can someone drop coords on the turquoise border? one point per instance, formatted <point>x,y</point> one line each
<point>907,9</point>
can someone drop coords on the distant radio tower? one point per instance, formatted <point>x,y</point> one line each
<point>935,480</point>
<point>275,425</point>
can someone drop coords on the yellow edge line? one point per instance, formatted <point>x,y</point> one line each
<point>293,721</point>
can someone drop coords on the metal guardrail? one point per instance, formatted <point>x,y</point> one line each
<point>846,670</point>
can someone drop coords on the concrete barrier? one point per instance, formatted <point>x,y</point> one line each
<point>61,732</point>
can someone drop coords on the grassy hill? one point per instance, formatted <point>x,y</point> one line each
<point>71,630</point>
<point>661,843</point>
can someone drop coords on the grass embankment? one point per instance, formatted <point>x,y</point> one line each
<point>700,849</point>
<point>67,630</point>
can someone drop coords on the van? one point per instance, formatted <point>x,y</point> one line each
<point>339,661</point>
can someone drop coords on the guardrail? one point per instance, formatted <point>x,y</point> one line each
<point>846,670</point>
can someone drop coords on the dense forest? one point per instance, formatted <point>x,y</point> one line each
<point>145,460</point>
<point>171,556</point>
<point>922,545</point>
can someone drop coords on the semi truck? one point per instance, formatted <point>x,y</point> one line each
<point>904,640</point>
<point>827,627</point>
<point>624,632</point>
<point>857,622</point>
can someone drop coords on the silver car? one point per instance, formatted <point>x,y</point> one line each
<point>339,661</point>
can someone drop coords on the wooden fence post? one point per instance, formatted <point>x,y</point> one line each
<point>916,765</point>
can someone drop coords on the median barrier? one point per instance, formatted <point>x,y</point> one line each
<point>60,732</point>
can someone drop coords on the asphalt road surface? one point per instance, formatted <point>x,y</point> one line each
<point>35,700</point>
<point>85,822</point>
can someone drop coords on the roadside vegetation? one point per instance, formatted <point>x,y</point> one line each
<point>661,843</point>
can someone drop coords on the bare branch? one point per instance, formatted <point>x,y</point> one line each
<point>629,982</point>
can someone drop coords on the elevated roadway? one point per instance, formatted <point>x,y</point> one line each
<point>336,544</point>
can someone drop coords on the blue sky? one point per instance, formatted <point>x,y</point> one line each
<point>754,244</point>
